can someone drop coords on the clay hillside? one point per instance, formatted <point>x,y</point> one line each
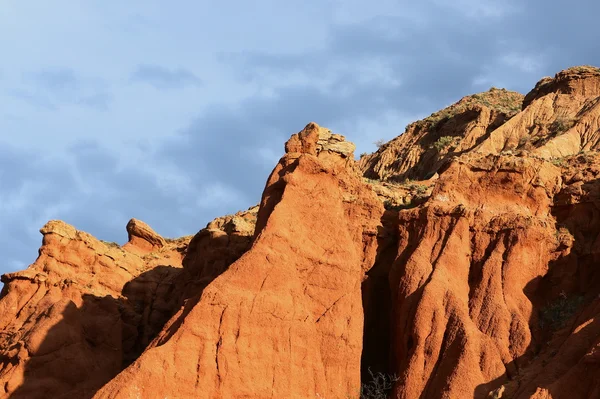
<point>460,260</point>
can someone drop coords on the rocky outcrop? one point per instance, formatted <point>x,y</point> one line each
<point>65,327</point>
<point>493,285</point>
<point>86,309</point>
<point>576,81</point>
<point>466,261</point>
<point>566,364</point>
<point>142,239</point>
<point>285,320</point>
<point>458,261</point>
<point>427,144</point>
<point>499,257</point>
<point>560,117</point>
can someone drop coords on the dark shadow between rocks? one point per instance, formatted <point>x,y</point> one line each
<point>572,279</point>
<point>376,356</point>
<point>92,343</point>
<point>559,301</point>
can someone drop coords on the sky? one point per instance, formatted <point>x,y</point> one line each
<point>176,112</point>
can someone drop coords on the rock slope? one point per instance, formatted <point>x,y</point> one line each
<point>427,144</point>
<point>86,308</point>
<point>286,319</point>
<point>65,327</point>
<point>457,261</point>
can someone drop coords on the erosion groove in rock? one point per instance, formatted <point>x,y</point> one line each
<point>457,261</point>
<point>285,320</point>
<point>86,309</point>
<point>425,145</point>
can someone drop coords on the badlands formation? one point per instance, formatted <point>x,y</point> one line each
<point>457,261</point>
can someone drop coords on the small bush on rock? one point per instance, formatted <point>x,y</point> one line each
<point>379,387</point>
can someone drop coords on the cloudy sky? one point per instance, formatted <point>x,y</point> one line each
<point>175,112</point>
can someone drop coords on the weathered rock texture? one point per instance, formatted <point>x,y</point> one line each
<point>493,287</point>
<point>467,259</point>
<point>86,308</point>
<point>461,259</point>
<point>561,117</point>
<point>65,327</point>
<point>285,320</point>
<point>426,144</point>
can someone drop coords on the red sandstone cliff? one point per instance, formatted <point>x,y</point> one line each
<point>462,264</point>
<point>285,320</point>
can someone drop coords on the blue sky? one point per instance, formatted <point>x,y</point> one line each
<point>175,113</point>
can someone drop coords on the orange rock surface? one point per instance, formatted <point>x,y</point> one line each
<point>86,308</point>
<point>286,319</point>
<point>460,260</point>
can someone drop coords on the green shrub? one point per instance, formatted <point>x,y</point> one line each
<point>443,142</point>
<point>556,313</point>
<point>418,188</point>
<point>371,181</point>
<point>379,143</point>
<point>561,124</point>
<point>391,206</point>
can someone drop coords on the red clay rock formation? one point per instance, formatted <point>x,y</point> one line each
<point>501,256</point>
<point>566,364</point>
<point>477,279</point>
<point>560,117</point>
<point>426,144</point>
<point>86,309</point>
<point>580,81</point>
<point>142,239</point>
<point>213,249</point>
<point>285,320</point>
<point>61,328</point>
<point>466,261</point>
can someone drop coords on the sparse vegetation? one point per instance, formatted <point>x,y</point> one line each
<point>371,181</point>
<point>379,143</point>
<point>556,313</point>
<point>391,206</point>
<point>560,162</point>
<point>584,68</point>
<point>418,188</point>
<point>178,240</point>
<point>110,244</point>
<point>443,142</point>
<point>561,124</point>
<point>364,154</point>
<point>542,132</point>
<point>379,387</point>
<point>499,100</point>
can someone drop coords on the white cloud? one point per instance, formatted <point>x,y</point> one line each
<point>217,194</point>
<point>529,63</point>
<point>486,9</point>
<point>165,78</point>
